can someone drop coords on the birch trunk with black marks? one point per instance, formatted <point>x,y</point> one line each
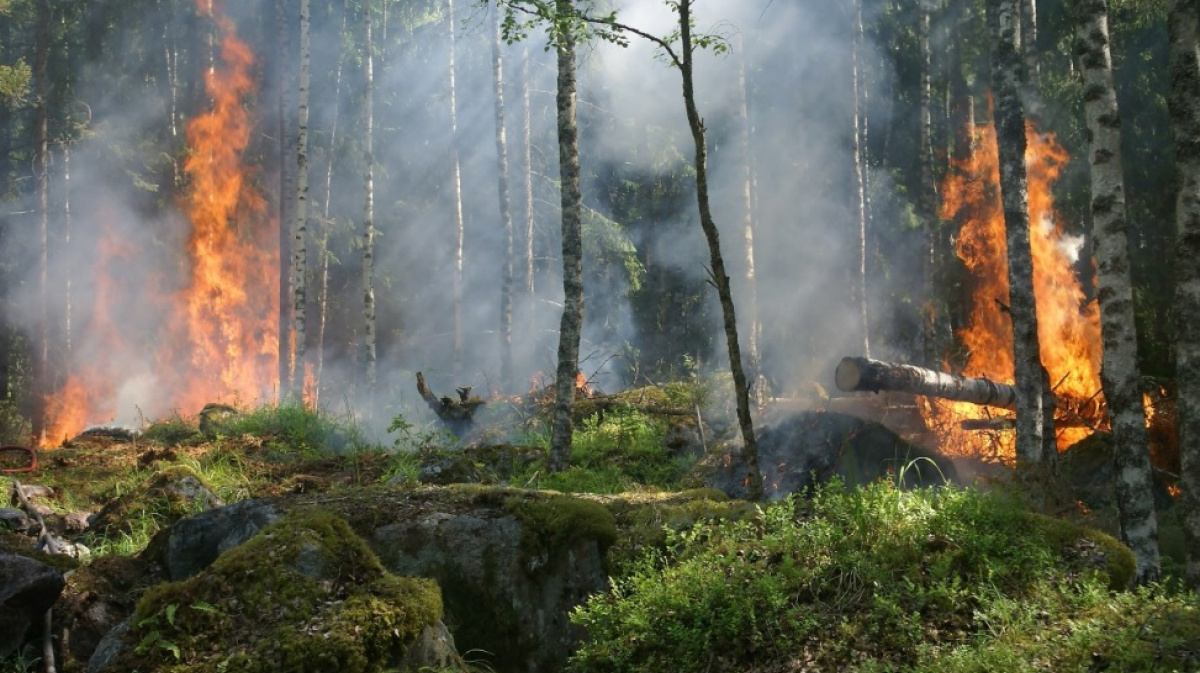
<point>529,288</point>
<point>1184,104</point>
<point>368,229</point>
<point>1004,20</point>
<point>506,222</point>
<point>571,200</point>
<point>1119,372</point>
<point>926,196</point>
<point>456,180</point>
<point>286,201</point>
<point>1030,58</point>
<point>299,245</point>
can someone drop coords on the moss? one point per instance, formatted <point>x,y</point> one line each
<point>553,522</point>
<point>1087,549</point>
<point>21,545</point>
<point>643,521</point>
<point>306,594</point>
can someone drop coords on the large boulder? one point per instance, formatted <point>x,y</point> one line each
<point>512,566</point>
<point>27,589</point>
<point>193,543</point>
<point>811,447</point>
<point>305,595</point>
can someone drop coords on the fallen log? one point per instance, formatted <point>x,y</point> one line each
<point>858,373</point>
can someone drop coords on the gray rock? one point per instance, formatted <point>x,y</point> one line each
<point>27,589</point>
<point>110,647</point>
<point>502,600</point>
<point>196,541</point>
<point>15,520</point>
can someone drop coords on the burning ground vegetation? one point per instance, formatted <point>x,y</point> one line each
<point>635,559</point>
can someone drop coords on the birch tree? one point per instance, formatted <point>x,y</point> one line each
<point>860,180</point>
<point>746,195</point>
<point>506,222</point>
<point>368,226</point>
<point>299,244</point>
<point>41,165</point>
<point>1003,17</point>
<point>1119,373</point>
<point>1184,103</point>
<point>456,185</point>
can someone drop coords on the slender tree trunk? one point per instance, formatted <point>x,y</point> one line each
<point>720,278</point>
<point>571,200</point>
<point>1185,123</point>
<point>506,276</point>
<point>68,304</point>
<point>747,207</point>
<point>926,198</point>
<point>286,344</point>
<point>459,228</point>
<point>299,246</point>
<point>1119,373</point>
<point>1004,24</point>
<point>860,182</point>
<point>41,164</point>
<point>529,287</point>
<point>327,224</point>
<point>368,241</point>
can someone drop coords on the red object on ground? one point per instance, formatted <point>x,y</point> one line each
<point>14,449</point>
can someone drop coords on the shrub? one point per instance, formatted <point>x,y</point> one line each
<point>870,577</point>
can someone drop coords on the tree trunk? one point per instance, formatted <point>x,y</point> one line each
<point>368,240</point>
<point>1029,55</point>
<point>1185,123</point>
<point>1004,23</point>
<point>719,277</point>
<point>459,229</point>
<point>506,277</point>
<point>286,345</point>
<point>41,166</point>
<point>326,225</point>
<point>1119,372</point>
<point>761,393</point>
<point>926,196</point>
<point>860,178</point>
<point>864,374</point>
<point>527,148</point>
<point>299,247</point>
<point>572,242</point>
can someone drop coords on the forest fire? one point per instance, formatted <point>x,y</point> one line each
<point>1068,322</point>
<point>217,337</point>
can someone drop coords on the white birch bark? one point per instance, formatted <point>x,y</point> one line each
<point>299,243</point>
<point>1119,371</point>
<point>506,222</point>
<point>368,229</point>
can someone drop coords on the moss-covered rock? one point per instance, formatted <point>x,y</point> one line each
<point>484,464</point>
<point>1086,550</point>
<point>166,497</point>
<point>306,594</point>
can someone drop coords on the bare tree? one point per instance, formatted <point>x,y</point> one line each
<point>1185,122</point>
<point>860,180</point>
<point>368,228</point>
<point>41,165</point>
<point>456,177</point>
<point>1119,373</point>
<point>746,177</point>
<point>1033,410</point>
<point>299,246</point>
<point>572,239</point>
<point>506,276</point>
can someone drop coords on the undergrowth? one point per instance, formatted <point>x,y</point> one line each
<point>879,579</point>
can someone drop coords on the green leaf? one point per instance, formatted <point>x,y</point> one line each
<point>170,611</point>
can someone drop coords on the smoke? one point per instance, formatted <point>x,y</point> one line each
<point>126,255</point>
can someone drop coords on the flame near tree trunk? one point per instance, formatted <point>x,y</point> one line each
<point>1068,321</point>
<point>217,338</point>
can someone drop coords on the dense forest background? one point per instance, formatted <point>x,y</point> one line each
<point>98,229</point>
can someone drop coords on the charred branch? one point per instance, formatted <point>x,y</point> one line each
<point>458,415</point>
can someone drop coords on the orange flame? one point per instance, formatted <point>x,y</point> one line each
<point>218,340</point>
<point>1068,323</point>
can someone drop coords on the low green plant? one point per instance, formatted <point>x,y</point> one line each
<point>871,577</point>
<point>294,428</point>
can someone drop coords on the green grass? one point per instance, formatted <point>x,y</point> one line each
<point>873,579</point>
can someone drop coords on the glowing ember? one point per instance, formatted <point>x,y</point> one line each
<point>1068,324</point>
<point>217,338</point>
